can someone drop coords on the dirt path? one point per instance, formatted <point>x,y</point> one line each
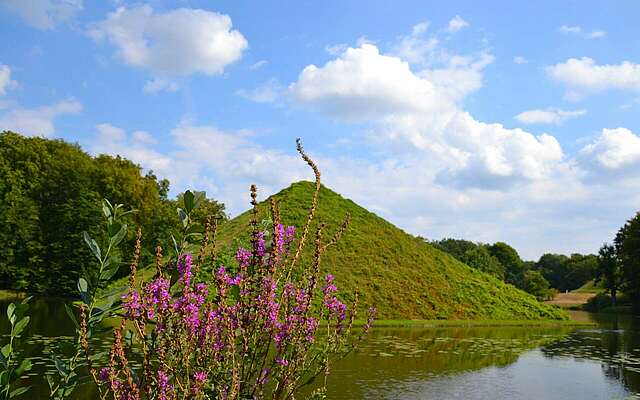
<point>570,299</point>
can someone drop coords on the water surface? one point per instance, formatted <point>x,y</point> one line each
<point>443,363</point>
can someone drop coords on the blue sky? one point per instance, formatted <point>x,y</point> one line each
<point>488,122</point>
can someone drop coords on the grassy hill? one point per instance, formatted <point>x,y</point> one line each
<point>404,277</point>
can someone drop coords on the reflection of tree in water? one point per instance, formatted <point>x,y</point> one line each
<point>407,355</point>
<point>616,345</point>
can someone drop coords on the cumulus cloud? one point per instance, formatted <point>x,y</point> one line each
<point>549,116</point>
<point>37,121</point>
<point>614,149</point>
<point>180,42</point>
<point>44,14</point>
<point>583,76</point>
<point>5,79</point>
<point>577,30</point>
<point>422,110</point>
<point>457,23</point>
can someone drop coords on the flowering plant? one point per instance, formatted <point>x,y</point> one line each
<point>265,326</point>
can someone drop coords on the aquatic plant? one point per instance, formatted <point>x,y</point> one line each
<point>265,326</point>
<point>12,368</point>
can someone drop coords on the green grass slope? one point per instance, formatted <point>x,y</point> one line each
<point>404,277</point>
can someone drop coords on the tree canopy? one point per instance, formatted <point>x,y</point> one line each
<point>51,191</point>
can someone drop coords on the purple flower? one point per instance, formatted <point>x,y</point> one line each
<point>104,374</point>
<point>200,377</point>
<point>282,361</point>
<point>131,304</point>
<point>243,256</point>
<point>184,268</point>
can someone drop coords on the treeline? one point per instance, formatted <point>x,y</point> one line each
<point>51,191</point>
<point>542,278</point>
<point>619,267</point>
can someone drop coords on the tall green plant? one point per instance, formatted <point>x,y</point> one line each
<point>93,307</point>
<point>12,368</point>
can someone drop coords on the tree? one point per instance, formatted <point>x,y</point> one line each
<point>480,258</point>
<point>627,245</point>
<point>49,193</point>
<point>554,269</point>
<point>455,247</point>
<point>609,270</point>
<point>535,284</point>
<point>511,261</point>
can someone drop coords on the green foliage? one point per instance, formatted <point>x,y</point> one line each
<point>609,272</point>
<point>511,261</point>
<point>95,305</point>
<point>50,191</point>
<point>475,255</point>
<point>481,259</point>
<point>535,284</point>
<point>402,275</point>
<point>627,248</point>
<point>11,368</point>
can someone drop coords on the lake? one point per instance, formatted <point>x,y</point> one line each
<point>444,363</point>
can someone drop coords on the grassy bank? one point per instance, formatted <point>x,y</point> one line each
<point>425,323</point>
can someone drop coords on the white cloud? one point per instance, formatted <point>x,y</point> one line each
<point>44,14</point>
<point>336,49</point>
<point>258,65</point>
<point>180,42</point>
<point>548,116</point>
<point>414,48</point>
<point>421,110</point>
<point>110,139</point>
<point>37,121</point>
<point>583,76</point>
<point>614,149</point>
<point>268,92</point>
<point>457,23</point>
<point>158,84</point>
<point>577,30</point>
<point>519,60</point>
<point>5,79</point>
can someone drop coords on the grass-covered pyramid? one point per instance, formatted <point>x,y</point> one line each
<point>404,277</point>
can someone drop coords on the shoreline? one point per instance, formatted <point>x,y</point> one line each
<point>448,323</point>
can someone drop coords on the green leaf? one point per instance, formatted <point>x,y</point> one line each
<point>105,210</point>
<point>17,330</point>
<point>114,228</point>
<point>117,238</point>
<point>50,381</point>
<point>184,217</point>
<point>3,361</point>
<point>18,392</point>
<point>6,350</point>
<point>93,245</point>
<point>10,313</point>
<point>199,196</point>
<point>194,228</point>
<point>189,201</point>
<point>83,287</point>
<point>175,244</point>
<point>25,366</point>
<point>60,366</point>
<point>109,272</point>
<point>71,315</point>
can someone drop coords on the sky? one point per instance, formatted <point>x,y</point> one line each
<point>489,121</point>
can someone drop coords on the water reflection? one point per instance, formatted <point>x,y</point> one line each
<point>447,363</point>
